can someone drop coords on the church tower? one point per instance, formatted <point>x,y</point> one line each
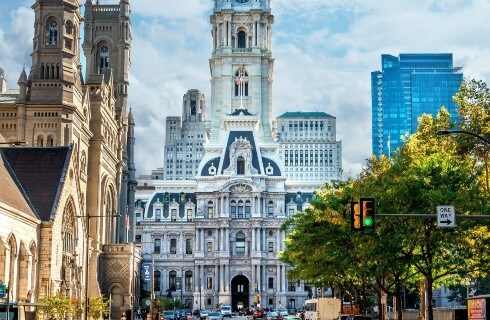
<point>241,63</point>
<point>55,74</point>
<point>52,107</point>
<point>107,45</point>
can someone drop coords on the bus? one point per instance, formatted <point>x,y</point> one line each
<point>322,308</point>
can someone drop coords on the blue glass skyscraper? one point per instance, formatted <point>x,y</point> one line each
<point>407,87</point>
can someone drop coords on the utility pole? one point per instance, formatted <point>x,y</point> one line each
<point>8,301</point>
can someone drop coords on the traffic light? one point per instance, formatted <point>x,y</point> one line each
<point>367,213</point>
<point>355,217</point>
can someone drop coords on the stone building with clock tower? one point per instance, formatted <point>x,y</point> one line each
<point>215,239</point>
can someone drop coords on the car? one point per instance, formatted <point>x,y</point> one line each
<point>204,314</point>
<point>225,311</point>
<point>169,315</point>
<point>291,318</point>
<point>214,315</point>
<point>283,312</point>
<point>343,316</point>
<point>273,315</point>
<point>258,313</point>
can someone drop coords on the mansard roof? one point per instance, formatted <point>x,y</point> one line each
<point>167,198</point>
<point>11,191</point>
<point>234,135</point>
<point>41,173</point>
<point>305,115</point>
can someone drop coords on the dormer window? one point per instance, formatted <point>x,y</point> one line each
<point>158,214</point>
<point>173,214</point>
<point>240,165</point>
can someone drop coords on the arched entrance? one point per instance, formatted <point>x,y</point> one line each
<point>240,290</point>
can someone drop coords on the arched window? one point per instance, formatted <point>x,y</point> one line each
<point>156,281</point>
<point>242,39</point>
<point>104,57</point>
<point>210,209</point>
<point>53,32</point>
<point>241,83</point>
<point>50,141</point>
<point>233,209</point>
<point>40,141</point>
<point>240,165</point>
<point>240,210</point>
<point>240,243</point>
<point>248,209</point>
<point>188,281</point>
<point>172,276</point>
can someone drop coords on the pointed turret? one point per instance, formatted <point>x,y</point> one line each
<point>23,82</point>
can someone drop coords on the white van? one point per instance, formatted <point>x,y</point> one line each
<point>225,311</point>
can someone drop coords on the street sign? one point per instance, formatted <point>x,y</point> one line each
<point>446,217</point>
<point>3,288</point>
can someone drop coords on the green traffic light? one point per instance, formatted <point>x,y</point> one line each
<point>368,222</point>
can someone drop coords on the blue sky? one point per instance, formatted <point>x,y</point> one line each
<point>324,51</point>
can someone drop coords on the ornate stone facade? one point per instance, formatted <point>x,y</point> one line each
<point>55,110</point>
<point>216,239</point>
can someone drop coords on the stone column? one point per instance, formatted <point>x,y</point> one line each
<point>196,240</point>
<point>278,278</point>
<point>278,240</point>
<point>202,281</point>
<point>203,231</point>
<point>254,278</point>
<point>264,277</point>
<point>196,279</point>
<point>223,210</point>
<point>221,238</point>
<point>181,241</point>
<point>216,278</point>
<point>227,240</point>
<point>253,239</point>
<point>164,244</point>
<point>284,284</point>
<point>223,279</point>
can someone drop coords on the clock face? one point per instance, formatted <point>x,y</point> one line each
<point>242,1</point>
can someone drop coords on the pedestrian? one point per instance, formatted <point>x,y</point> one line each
<point>123,316</point>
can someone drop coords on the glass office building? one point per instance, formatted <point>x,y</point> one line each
<point>407,87</point>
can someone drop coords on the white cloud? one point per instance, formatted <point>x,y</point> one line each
<point>324,51</point>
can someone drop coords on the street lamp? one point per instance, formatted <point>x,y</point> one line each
<point>450,132</point>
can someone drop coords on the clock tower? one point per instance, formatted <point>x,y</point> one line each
<point>241,65</point>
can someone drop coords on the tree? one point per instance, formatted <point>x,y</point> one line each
<point>98,307</point>
<point>54,308</point>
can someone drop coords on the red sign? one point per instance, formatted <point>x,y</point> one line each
<point>476,309</point>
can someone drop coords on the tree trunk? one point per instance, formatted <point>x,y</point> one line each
<point>398,298</point>
<point>422,301</point>
<point>430,302</point>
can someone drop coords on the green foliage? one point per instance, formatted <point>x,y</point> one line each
<point>98,307</point>
<point>428,171</point>
<point>165,303</point>
<point>55,308</point>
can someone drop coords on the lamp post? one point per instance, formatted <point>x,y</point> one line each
<point>451,132</point>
